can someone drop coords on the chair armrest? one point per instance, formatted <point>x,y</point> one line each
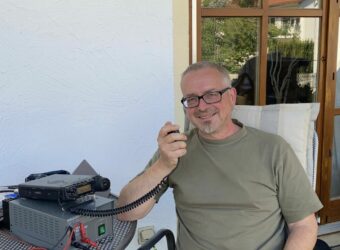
<point>170,239</point>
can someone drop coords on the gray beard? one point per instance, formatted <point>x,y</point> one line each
<point>207,129</point>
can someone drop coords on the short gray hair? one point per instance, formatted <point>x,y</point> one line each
<point>211,65</point>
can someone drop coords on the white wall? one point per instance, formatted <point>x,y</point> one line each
<point>85,79</point>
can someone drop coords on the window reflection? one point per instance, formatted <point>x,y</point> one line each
<point>292,57</point>
<point>337,87</point>
<point>335,186</point>
<point>292,60</point>
<point>231,3</point>
<point>236,49</point>
<point>282,4</point>
<point>296,4</point>
<point>245,83</point>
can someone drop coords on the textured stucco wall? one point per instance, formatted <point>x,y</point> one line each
<point>85,79</point>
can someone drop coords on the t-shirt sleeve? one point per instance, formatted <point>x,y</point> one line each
<point>166,184</point>
<point>295,193</point>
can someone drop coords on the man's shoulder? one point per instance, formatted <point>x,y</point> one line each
<point>265,136</point>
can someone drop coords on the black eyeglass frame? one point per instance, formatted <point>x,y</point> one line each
<point>221,92</point>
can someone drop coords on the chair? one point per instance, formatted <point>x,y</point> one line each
<point>170,239</point>
<point>321,245</point>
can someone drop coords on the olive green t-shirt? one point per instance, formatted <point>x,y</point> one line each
<point>238,193</point>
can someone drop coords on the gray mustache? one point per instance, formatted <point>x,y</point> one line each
<point>205,112</point>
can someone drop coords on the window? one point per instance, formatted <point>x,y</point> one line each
<point>271,48</point>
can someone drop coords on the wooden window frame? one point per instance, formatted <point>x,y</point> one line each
<point>264,14</point>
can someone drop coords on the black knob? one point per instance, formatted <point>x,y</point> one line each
<point>101,183</point>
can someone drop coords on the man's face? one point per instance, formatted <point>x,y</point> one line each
<point>212,120</point>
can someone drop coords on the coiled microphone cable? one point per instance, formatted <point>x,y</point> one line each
<point>123,209</point>
<point>126,208</point>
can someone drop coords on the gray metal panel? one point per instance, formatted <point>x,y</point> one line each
<point>33,221</point>
<point>45,223</point>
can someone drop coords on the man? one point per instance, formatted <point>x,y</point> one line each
<point>235,187</point>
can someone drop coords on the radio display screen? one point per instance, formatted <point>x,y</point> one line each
<point>84,189</point>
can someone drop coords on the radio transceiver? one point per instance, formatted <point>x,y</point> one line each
<point>63,187</point>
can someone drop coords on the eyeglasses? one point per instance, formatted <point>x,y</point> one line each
<point>209,98</point>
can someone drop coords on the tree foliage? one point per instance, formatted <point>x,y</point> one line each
<point>232,41</point>
<point>229,41</point>
<point>229,3</point>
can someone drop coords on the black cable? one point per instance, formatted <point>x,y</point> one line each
<point>11,186</point>
<point>62,238</point>
<point>7,191</point>
<point>123,209</point>
<point>78,245</point>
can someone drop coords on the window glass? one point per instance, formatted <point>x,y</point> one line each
<point>296,4</point>
<point>292,60</point>
<point>337,90</point>
<point>231,3</point>
<point>224,42</point>
<point>335,186</point>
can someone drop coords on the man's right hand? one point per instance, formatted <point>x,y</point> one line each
<point>171,145</point>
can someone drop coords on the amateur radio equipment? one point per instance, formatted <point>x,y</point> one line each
<point>56,209</point>
<point>63,188</point>
<point>46,223</point>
